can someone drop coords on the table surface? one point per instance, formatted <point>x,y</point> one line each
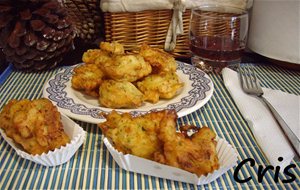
<point>92,167</point>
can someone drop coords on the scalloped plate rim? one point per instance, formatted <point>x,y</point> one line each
<point>60,82</point>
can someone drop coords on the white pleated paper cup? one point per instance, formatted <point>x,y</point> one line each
<point>226,154</point>
<point>60,155</point>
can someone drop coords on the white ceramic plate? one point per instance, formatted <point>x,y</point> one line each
<point>197,90</point>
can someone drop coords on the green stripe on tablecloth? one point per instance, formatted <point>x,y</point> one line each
<point>92,167</point>
<point>271,77</point>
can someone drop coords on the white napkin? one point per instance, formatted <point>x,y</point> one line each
<point>261,122</point>
<point>141,5</point>
<point>115,6</point>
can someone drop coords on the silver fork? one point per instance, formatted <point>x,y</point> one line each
<point>250,85</point>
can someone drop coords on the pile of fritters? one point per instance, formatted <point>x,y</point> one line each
<point>123,80</point>
<point>153,136</point>
<point>35,125</point>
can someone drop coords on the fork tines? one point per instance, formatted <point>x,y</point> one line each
<point>249,80</point>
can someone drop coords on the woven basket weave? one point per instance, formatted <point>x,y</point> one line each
<point>134,28</point>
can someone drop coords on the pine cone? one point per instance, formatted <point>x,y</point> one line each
<point>34,34</point>
<point>86,15</point>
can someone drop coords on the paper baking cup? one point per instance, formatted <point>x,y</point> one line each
<point>58,156</point>
<point>226,154</point>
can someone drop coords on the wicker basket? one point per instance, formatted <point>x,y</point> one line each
<point>134,28</point>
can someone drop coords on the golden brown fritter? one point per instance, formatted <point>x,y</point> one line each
<point>106,51</point>
<point>153,136</point>
<point>133,135</point>
<point>35,125</point>
<point>87,78</point>
<point>110,62</point>
<point>196,154</point>
<point>157,86</point>
<point>103,58</point>
<point>91,55</point>
<point>96,56</point>
<point>126,68</point>
<point>161,61</point>
<point>113,47</point>
<point>119,94</point>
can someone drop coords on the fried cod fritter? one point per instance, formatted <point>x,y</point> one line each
<point>161,61</point>
<point>119,94</point>
<point>113,48</point>
<point>117,65</point>
<point>35,125</point>
<point>87,78</point>
<point>152,71</point>
<point>196,154</point>
<point>133,135</point>
<point>91,55</point>
<point>153,136</point>
<point>104,54</point>
<point>156,86</point>
<point>126,68</point>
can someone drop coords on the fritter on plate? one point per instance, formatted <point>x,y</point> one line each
<point>113,47</point>
<point>35,125</point>
<point>156,86</point>
<point>119,94</point>
<point>90,56</point>
<point>126,68</point>
<point>161,61</point>
<point>87,78</point>
<point>151,70</point>
<point>104,54</point>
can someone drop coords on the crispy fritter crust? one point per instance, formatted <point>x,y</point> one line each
<point>157,86</point>
<point>196,154</point>
<point>133,135</point>
<point>161,61</point>
<point>151,70</point>
<point>119,94</point>
<point>87,78</point>
<point>153,136</point>
<point>35,125</point>
<point>104,53</point>
<point>113,47</point>
<point>126,68</point>
<point>91,55</point>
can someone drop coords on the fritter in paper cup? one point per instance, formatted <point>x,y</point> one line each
<point>226,154</point>
<point>60,155</point>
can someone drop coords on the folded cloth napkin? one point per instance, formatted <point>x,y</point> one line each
<point>175,27</point>
<point>141,5</point>
<point>115,6</point>
<point>264,127</point>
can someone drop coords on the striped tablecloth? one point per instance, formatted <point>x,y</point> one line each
<point>92,167</point>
